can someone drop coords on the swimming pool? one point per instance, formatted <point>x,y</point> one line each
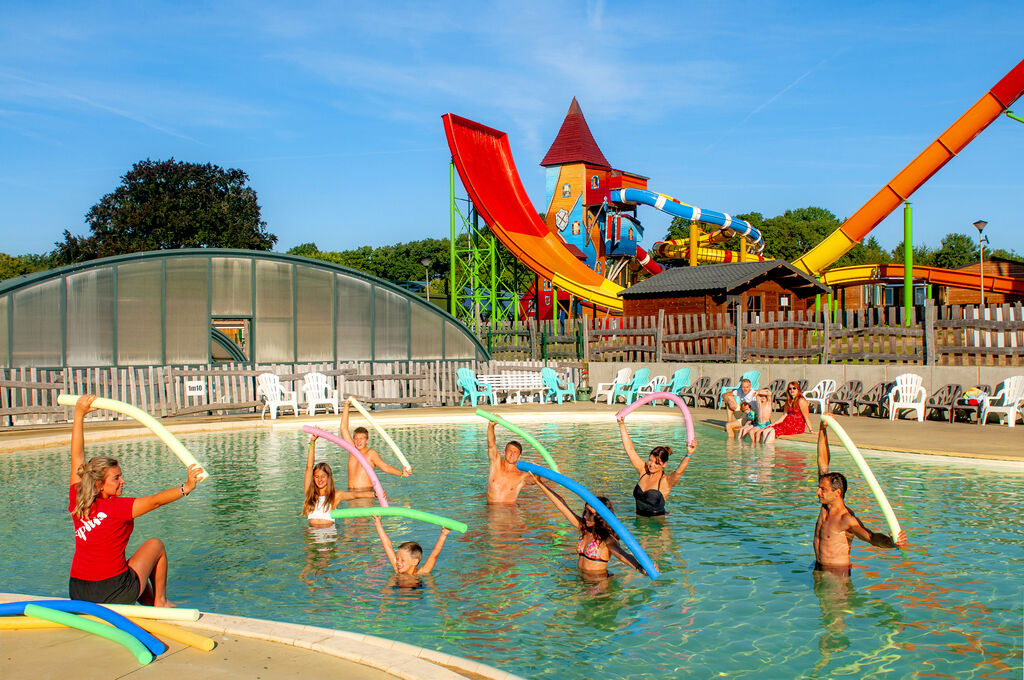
<point>737,597</point>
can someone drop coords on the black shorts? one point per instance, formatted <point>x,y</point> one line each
<point>120,589</point>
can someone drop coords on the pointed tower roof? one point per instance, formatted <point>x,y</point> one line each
<point>574,142</point>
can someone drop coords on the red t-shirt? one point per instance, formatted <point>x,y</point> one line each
<point>100,541</point>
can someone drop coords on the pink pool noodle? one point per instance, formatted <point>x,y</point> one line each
<point>377,488</point>
<point>675,398</point>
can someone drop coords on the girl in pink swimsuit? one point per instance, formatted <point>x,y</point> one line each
<point>597,541</point>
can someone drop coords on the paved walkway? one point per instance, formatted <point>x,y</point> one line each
<point>967,440</point>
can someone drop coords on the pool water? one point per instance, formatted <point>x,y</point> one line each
<point>737,597</point>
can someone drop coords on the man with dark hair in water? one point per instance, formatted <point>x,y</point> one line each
<point>504,480</point>
<point>837,525</point>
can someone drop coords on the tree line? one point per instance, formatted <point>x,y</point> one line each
<point>164,205</point>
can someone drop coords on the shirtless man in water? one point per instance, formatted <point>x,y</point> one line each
<point>837,525</point>
<point>505,480</point>
<point>358,480</point>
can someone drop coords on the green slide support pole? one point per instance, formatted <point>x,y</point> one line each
<point>1010,114</point>
<point>908,262</point>
<point>452,295</point>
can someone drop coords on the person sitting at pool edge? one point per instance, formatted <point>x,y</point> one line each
<point>654,485</point>
<point>745,392</point>
<point>104,519</point>
<point>504,479</point>
<point>358,480</point>
<point>321,496</point>
<point>597,540</point>
<point>837,525</point>
<point>747,420</point>
<point>405,560</point>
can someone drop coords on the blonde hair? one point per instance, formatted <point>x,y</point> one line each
<point>92,474</point>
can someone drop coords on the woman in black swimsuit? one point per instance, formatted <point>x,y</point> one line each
<point>654,484</point>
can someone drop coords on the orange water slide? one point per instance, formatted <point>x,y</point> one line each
<point>483,159</point>
<point>876,273</point>
<point>919,171</point>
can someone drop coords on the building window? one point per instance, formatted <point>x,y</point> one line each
<point>754,308</point>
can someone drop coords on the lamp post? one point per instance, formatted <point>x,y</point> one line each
<point>426,262</point>
<point>980,225</point>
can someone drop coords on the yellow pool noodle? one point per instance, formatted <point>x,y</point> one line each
<point>183,454</point>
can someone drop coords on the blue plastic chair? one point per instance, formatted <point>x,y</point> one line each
<point>473,388</point>
<point>679,381</point>
<point>629,392</point>
<point>556,388</point>
<point>753,376</point>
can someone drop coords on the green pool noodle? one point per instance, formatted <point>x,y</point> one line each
<point>392,511</point>
<point>525,435</point>
<point>143,655</point>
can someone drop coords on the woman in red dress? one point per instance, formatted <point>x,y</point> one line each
<point>797,419</point>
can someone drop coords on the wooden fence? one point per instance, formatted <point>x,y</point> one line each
<point>962,336</point>
<point>29,395</point>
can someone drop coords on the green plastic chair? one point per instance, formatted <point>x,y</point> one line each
<point>629,392</point>
<point>473,388</point>
<point>557,388</point>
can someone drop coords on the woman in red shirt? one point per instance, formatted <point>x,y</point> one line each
<point>103,522</point>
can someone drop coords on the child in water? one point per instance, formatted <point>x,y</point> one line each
<point>405,560</point>
<point>321,496</point>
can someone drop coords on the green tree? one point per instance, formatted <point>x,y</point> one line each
<point>868,252</point>
<point>19,265</point>
<point>793,233</point>
<point>162,205</point>
<point>923,255</point>
<point>955,251</point>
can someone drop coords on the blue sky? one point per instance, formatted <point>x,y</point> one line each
<point>334,109</point>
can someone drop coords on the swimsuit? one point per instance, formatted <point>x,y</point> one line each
<point>591,550</point>
<point>322,510</point>
<point>650,503</point>
<point>793,423</point>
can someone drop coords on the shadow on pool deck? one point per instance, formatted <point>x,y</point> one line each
<point>967,440</point>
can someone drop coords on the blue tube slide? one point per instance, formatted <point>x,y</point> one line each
<point>99,611</point>
<point>671,206</point>
<point>600,508</point>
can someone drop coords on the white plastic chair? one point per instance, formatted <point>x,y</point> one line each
<point>607,389</point>
<point>820,394</point>
<point>319,392</point>
<point>268,385</point>
<point>907,393</point>
<point>1009,398</point>
<point>656,384</point>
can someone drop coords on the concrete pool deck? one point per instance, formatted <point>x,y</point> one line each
<point>931,437</point>
<point>245,648</point>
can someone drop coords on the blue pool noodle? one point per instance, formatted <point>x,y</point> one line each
<point>99,611</point>
<point>600,508</point>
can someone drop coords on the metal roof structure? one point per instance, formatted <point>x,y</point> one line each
<point>725,279</point>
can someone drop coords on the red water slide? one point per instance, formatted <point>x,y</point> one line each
<point>483,159</point>
<point>919,171</point>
